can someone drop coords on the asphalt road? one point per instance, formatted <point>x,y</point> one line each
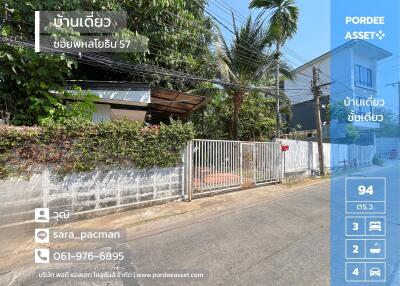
<point>280,242</point>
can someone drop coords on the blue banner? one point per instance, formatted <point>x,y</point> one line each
<point>364,110</point>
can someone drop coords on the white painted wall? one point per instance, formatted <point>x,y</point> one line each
<point>343,83</point>
<point>299,89</point>
<point>301,80</point>
<point>384,146</point>
<point>302,156</point>
<point>96,192</point>
<point>140,96</point>
<point>102,113</point>
<point>105,113</point>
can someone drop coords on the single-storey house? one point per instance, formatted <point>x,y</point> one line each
<point>137,101</point>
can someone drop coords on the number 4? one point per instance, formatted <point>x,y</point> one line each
<point>356,272</point>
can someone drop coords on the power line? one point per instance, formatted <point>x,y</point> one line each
<point>146,69</point>
<point>285,48</point>
<point>230,30</point>
<point>175,73</point>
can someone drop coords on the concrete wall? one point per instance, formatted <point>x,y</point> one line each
<point>384,146</point>
<point>302,156</point>
<point>91,192</point>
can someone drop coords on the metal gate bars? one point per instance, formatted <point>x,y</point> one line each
<point>218,165</point>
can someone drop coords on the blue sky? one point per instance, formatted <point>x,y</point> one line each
<point>313,36</point>
<point>314,32</point>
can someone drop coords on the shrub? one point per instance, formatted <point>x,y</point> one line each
<point>78,145</point>
<point>377,160</point>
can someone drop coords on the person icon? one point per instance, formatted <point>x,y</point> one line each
<point>42,215</point>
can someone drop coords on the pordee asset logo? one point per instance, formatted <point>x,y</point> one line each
<point>365,35</point>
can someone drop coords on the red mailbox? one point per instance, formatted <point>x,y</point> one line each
<point>284,148</point>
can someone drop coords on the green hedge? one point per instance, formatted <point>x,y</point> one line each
<point>77,145</point>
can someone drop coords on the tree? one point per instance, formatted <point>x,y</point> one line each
<point>179,39</point>
<point>246,62</point>
<point>282,26</point>
<point>352,133</point>
<point>389,127</point>
<point>178,30</point>
<point>28,83</point>
<point>256,118</point>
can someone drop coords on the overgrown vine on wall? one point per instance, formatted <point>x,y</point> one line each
<point>76,145</point>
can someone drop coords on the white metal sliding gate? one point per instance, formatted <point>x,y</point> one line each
<point>217,165</point>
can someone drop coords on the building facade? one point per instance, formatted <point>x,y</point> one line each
<point>355,77</point>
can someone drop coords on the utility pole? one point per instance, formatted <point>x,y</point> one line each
<point>398,91</point>
<point>277,87</point>
<point>316,90</point>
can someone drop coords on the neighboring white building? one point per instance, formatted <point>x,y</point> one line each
<point>117,100</point>
<point>355,77</point>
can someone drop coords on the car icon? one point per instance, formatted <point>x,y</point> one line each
<point>375,271</point>
<point>375,226</point>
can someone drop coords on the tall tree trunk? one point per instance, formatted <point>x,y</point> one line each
<point>237,104</point>
<point>278,114</point>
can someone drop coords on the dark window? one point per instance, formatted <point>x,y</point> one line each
<point>363,76</point>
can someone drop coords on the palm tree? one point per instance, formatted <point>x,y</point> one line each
<point>246,62</point>
<point>282,26</point>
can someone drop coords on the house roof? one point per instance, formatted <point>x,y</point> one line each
<point>372,51</point>
<point>165,103</point>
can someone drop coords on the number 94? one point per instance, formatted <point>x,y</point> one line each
<point>363,190</point>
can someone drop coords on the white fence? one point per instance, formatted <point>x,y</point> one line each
<point>302,156</point>
<point>385,146</point>
<point>219,165</point>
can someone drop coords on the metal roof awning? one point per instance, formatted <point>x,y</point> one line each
<point>166,103</point>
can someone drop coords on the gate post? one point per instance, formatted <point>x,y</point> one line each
<point>254,158</point>
<point>241,162</point>
<point>188,170</point>
<point>283,163</point>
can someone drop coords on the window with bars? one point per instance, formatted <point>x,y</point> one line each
<point>363,76</point>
